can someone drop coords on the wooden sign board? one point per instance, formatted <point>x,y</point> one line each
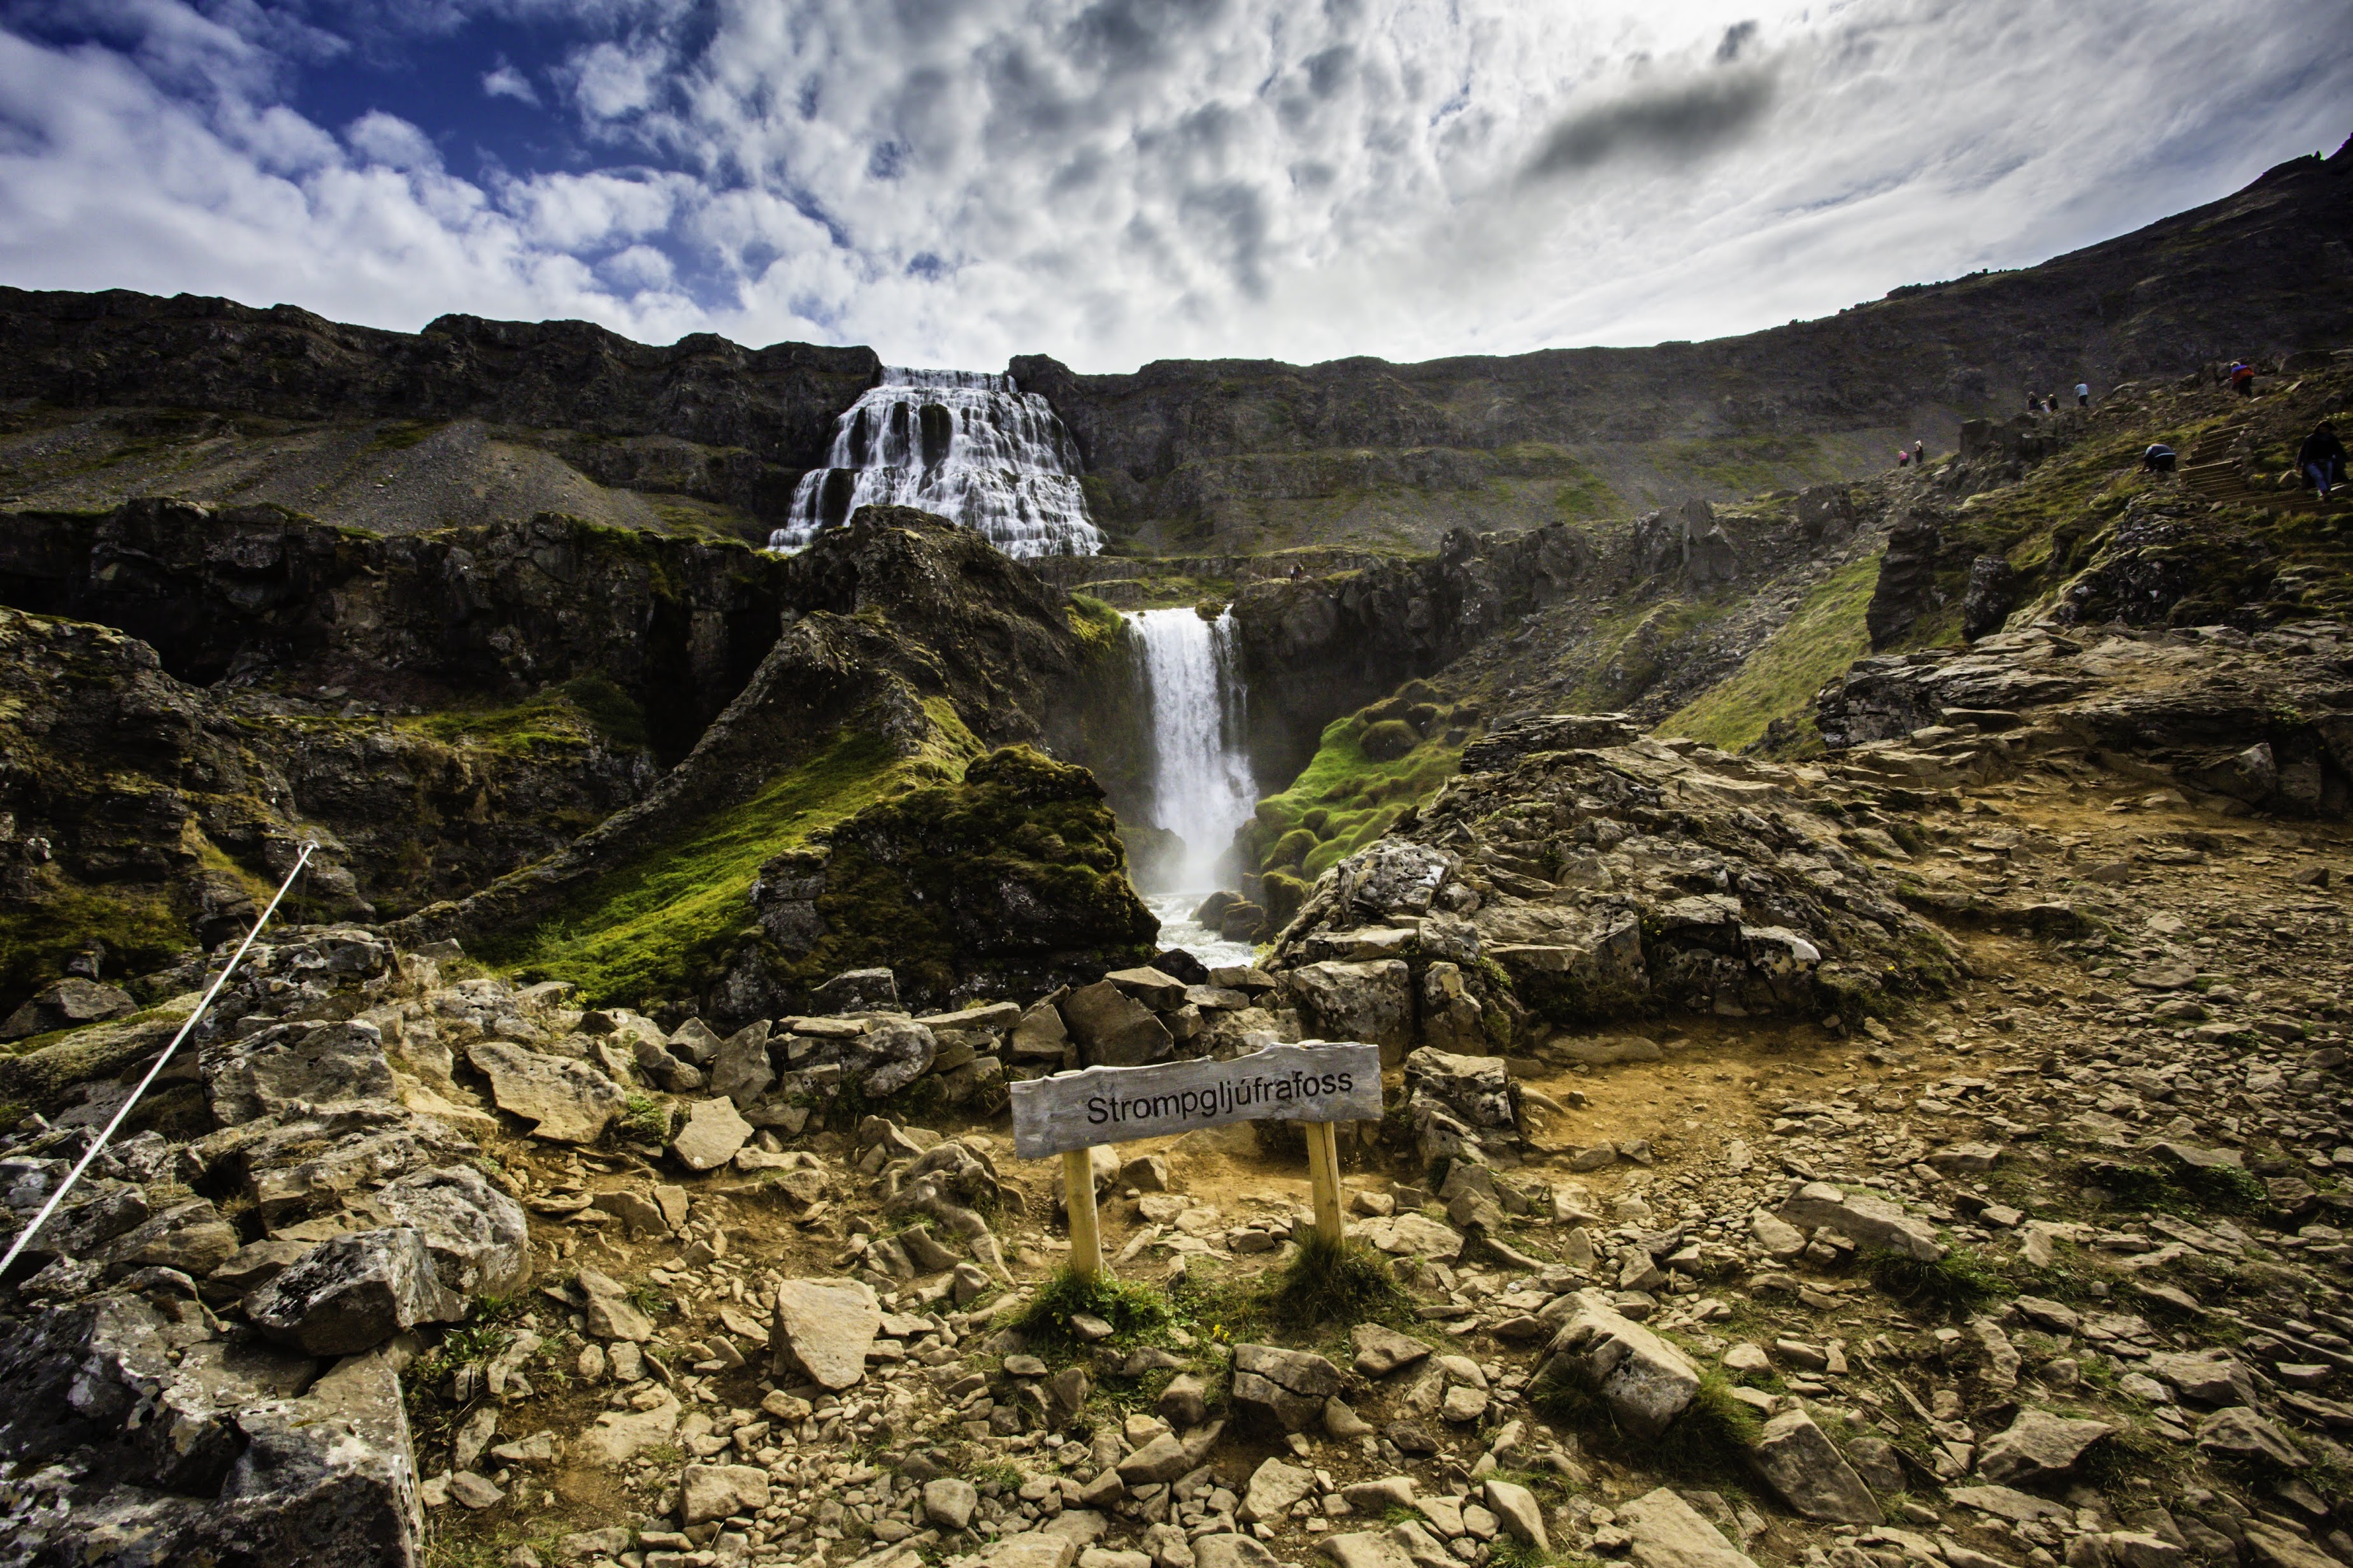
<point>1314,1083</point>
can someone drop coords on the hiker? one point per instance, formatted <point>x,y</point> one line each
<point>2082,394</point>
<point>2243,379</point>
<point>1919,454</point>
<point>2158,460</point>
<point>2321,458</point>
<point>1297,571</point>
<point>1903,456</point>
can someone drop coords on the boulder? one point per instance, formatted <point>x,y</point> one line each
<point>1113,1029</point>
<point>1366,1549</point>
<point>1645,1381</point>
<point>1381,1350</point>
<point>1668,1532</point>
<point>1370,1002</point>
<point>2238,1433</point>
<point>856,990</point>
<point>190,1236</point>
<point>739,1067</point>
<point>706,1492</point>
<point>1801,1465</point>
<point>1393,876</point>
<point>1871,1222</point>
<point>1157,991</point>
<point>2036,1444</point>
<point>353,1292</point>
<point>889,1056</point>
<point>715,1129</point>
<point>479,1236</point>
<point>1287,1386</point>
<point>570,1102</point>
<point>68,1005</point>
<point>289,1065</point>
<point>824,1329</point>
<point>949,1502</point>
<point>2210,1377</point>
<point>1273,1487</point>
<point>1516,1509</point>
<point>611,1314</point>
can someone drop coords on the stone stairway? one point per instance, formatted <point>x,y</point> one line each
<point>2213,470</point>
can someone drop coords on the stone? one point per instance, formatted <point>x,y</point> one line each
<point>1273,1487</point>
<point>353,1292</point>
<point>639,1214</point>
<point>2204,1377</point>
<point>856,990</point>
<point>252,1267</point>
<point>474,1491</point>
<point>1868,1221</point>
<point>479,1236</point>
<point>889,1056</point>
<point>1778,1236</point>
<point>706,1492</point>
<point>1365,1549</point>
<point>825,1329</point>
<point>1665,1532</point>
<point>2273,1547</point>
<point>1877,1464</point>
<point>611,1315</point>
<point>1159,992</point>
<point>1161,1459</point>
<point>568,1101</point>
<point>1185,1402</point>
<point>1462,1406</point>
<point>1146,1173</point>
<point>1371,1002</point>
<point>190,1236</point>
<point>949,1502</point>
<point>1646,1382</point>
<point>1800,1464</point>
<point>1516,1509</point>
<point>2037,1444</point>
<point>1342,1423</point>
<point>1113,1029</point>
<point>68,1005</point>
<point>740,1067</point>
<point>1286,1386</point>
<point>583,1544</point>
<point>2238,1433</point>
<point>1381,1350</point>
<point>294,1065</point>
<point>715,1129</point>
<point>1230,1550</point>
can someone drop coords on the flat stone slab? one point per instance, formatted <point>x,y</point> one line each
<point>715,1131</point>
<point>825,1328</point>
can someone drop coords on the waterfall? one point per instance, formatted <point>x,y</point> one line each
<point>964,444</point>
<point>1201,784</point>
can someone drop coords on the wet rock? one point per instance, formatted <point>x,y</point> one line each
<point>353,1292</point>
<point>2036,1444</point>
<point>569,1101</point>
<point>1803,1466</point>
<point>824,1329</point>
<point>1645,1381</point>
<point>715,1131</point>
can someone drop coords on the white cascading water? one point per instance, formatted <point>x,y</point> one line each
<point>966,445</point>
<point>1201,785</point>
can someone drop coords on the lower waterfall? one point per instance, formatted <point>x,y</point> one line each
<point>1201,785</point>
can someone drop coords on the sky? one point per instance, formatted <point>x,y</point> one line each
<point>1112,181</point>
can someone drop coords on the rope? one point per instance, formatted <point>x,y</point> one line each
<point>74,1175</point>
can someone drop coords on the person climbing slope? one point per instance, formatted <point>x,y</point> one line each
<point>1919,454</point>
<point>2243,379</point>
<point>2158,460</point>
<point>2321,458</point>
<point>2082,394</point>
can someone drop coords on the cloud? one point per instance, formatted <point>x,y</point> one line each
<point>505,82</point>
<point>1113,181</point>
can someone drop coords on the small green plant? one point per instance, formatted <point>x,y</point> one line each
<point>1511,1551</point>
<point>644,1117</point>
<point>1956,1282</point>
<point>1129,1309</point>
<point>1342,1281</point>
<point>649,1300</point>
<point>1711,1439</point>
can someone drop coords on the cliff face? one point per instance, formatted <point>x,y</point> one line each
<point>1193,449</point>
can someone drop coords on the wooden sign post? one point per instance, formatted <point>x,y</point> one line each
<point>1316,1084</point>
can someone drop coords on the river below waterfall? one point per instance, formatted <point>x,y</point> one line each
<point>1177,928</point>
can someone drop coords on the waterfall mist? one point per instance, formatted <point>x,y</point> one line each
<point>964,444</point>
<point>1201,785</point>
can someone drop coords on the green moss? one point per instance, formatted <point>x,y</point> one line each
<point>1388,739</point>
<point>566,715</point>
<point>1354,797</point>
<point>1779,679</point>
<point>1130,1308</point>
<point>143,928</point>
<point>1958,1282</point>
<point>656,926</point>
<point>1103,629</point>
<point>1336,1282</point>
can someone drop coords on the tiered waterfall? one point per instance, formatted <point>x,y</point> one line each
<point>1201,785</point>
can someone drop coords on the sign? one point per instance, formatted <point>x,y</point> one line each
<point>1315,1082</point>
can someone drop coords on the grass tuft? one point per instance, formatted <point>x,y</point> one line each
<point>1129,1309</point>
<point>1957,1281</point>
<point>1710,1440</point>
<point>1333,1282</point>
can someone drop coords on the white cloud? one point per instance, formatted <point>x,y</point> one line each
<point>508,82</point>
<point>1111,181</point>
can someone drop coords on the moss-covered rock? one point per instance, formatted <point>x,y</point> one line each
<point>1011,878</point>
